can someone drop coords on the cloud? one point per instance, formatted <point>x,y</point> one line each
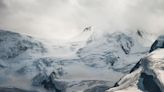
<point>64,19</point>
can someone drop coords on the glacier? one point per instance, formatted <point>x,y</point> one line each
<point>91,65</point>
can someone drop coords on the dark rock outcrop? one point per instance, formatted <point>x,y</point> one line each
<point>48,82</point>
<point>136,66</point>
<point>39,79</point>
<point>149,83</point>
<point>139,33</point>
<point>159,43</point>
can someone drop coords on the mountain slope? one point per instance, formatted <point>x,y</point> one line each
<point>78,66</point>
<point>13,44</point>
<point>147,75</point>
<point>111,50</point>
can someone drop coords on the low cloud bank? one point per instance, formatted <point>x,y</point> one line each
<point>63,19</point>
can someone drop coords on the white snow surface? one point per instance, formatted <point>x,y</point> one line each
<point>153,65</point>
<point>105,57</point>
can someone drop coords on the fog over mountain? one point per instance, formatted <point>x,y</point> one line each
<point>64,19</point>
<point>81,45</point>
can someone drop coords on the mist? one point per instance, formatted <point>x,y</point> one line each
<point>64,19</point>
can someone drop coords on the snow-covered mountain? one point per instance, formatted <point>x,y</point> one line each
<point>111,50</point>
<point>91,65</point>
<point>147,75</point>
<point>13,44</point>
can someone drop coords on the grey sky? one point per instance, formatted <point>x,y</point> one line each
<point>64,19</point>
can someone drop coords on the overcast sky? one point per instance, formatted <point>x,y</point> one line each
<point>63,19</point>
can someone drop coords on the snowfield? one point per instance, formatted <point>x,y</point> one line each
<point>91,65</point>
<point>151,66</point>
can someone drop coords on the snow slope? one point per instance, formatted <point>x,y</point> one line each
<point>147,78</point>
<point>111,50</point>
<point>96,63</point>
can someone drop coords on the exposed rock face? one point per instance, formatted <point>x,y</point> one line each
<point>136,66</point>
<point>48,82</point>
<point>14,90</point>
<point>139,33</point>
<point>39,79</point>
<point>147,77</point>
<point>149,83</point>
<point>159,43</point>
